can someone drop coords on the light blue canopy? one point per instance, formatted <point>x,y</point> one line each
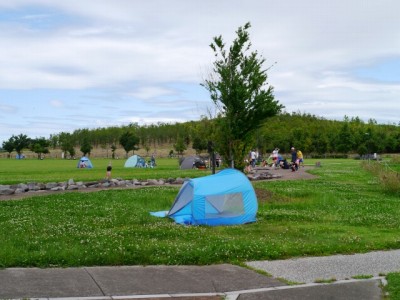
<point>135,161</point>
<point>226,198</point>
<point>84,162</point>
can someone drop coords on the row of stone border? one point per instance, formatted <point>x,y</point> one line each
<point>117,182</point>
<point>79,185</point>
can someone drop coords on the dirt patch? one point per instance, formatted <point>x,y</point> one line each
<point>283,174</point>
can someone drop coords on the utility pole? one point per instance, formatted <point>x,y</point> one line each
<point>210,147</point>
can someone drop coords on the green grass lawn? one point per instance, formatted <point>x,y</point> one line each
<point>393,287</point>
<point>344,210</point>
<point>57,170</point>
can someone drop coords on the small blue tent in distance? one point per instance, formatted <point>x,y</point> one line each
<point>225,198</point>
<point>84,162</point>
<point>135,161</point>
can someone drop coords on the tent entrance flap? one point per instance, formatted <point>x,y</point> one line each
<point>184,197</point>
<point>223,206</point>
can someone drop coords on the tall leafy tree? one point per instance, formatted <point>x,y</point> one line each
<point>129,142</point>
<point>8,146</point>
<point>67,144</point>
<point>239,89</point>
<point>40,146</point>
<point>180,145</point>
<point>20,142</point>
<point>86,147</point>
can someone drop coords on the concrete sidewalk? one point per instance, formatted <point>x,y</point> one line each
<point>176,282</point>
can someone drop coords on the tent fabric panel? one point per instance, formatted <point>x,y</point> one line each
<point>226,181</point>
<point>224,206</point>
<point>131,162</point>
<point>183,198</point>
<point>187,163</point>
<point>141,163</point>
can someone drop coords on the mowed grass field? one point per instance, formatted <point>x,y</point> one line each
<point>14,171</point>
<point>343,210</point>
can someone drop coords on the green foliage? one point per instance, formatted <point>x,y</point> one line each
<point>66,142</point>
<point>86,148</point>
<point>388,177</point>
<point>8,146</point>
<point>20,142</point>
<point>282,131</point>
<point>129,142</point>
<point>180,146</point>
<point>199,144</point>
<point>40,146</point>
<point>239,89</point>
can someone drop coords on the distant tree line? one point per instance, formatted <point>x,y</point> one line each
<point>318,136</point>
<point>314,135</point>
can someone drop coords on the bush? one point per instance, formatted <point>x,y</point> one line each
<point>388,179</point>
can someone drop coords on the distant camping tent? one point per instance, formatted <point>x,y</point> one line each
<point>192,162</point>
<point>135,161</point>
<point>225,198</point>
<point>84,162</point>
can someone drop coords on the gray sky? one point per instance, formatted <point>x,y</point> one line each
<point>84,64</point>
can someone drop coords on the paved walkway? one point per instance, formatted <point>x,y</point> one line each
<point>208,282</point>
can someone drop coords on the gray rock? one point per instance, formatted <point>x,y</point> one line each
<point>71,181</point>
<point>152,182</point>
<point>6,190</point>
<point>19,191</point>
<point>121,183</point>
<point>51,185</point>
<point>106,184</point>
<point>23,187</point>
<point>136,182</point>
<point>32,186</point>
<point>57,188</point>
<point>179,180</point>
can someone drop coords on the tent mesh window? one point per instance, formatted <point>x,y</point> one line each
<point>224,206</point>
<point>183,198</point>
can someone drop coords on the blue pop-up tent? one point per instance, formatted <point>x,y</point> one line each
<point>84,162</point>
<point>225,198</point>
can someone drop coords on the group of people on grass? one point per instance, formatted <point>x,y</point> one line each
<point>277,160</point>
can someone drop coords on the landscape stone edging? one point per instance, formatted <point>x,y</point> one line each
<point>117,182</point>
<point>10,189</point>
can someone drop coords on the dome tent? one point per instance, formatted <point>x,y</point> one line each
<point>135,161</point>
<point>191,162</point>
<point>84,162</point>
<point>225,198</point>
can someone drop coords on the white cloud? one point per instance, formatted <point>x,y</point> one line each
<point>137,53</point>
<point>5,108</point>
<point>56,103</point>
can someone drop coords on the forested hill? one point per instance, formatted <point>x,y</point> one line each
<point>311,134</point>
<point>319,136</point>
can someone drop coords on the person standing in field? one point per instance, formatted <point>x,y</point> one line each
<point>253,157</point>
<point>299,155</point>
<point>108,171</point>
<point>294,160</point>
